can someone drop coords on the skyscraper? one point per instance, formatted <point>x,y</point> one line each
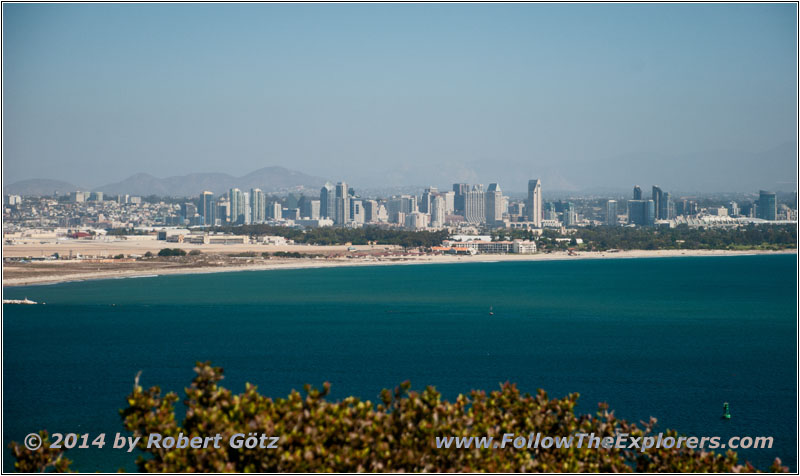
<point>207,208</point>
<point>438,210</point>
<point>767,205</point>
<point>327,201</point>
<point>308,208</point>
<point>641,212</point>
<point>534,204</point>
<point>342,210</point>
<point>460,191</point>
<point>475,205</point>
<point>237,206</point>
<point>550,211</point>
<point>356,210</point>
<point>637,192</point>
<point>666,211</point>
<point>223,213</point>
<point>570,215</point>
<point>494,204</point>
<point>258,207</point>
<point>425,203</point>
<point>611,213</point>
<point>657,197</point>
<point>733,209</point>
<point>370,211</point>
<point>276,211</point>
<point>188,210</point>
<point>449,202</point>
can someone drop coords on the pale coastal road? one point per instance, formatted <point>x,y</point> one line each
<point>102,248</point>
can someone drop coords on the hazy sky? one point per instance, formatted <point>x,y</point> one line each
<point>392,94</point>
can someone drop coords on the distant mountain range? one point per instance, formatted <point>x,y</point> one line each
<point>710,171</point>
<point>268,179</point>
<point>39,187</point>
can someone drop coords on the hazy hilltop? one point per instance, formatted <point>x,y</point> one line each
<point>268,179</point>
<point>39,187</point>
<point>697,172</point>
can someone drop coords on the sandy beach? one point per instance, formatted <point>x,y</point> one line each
<point>160,268</point>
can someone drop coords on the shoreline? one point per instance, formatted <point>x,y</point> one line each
<point>300,263</point>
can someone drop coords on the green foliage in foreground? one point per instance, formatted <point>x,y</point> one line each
<point>171,252</point>
<point>397,435</point>
<point>337,236</point>
<point>766,237</point>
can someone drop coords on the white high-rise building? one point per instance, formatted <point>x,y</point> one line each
<point>237,206</point>
<point>416,221</point>
<point>449,202</point>
<point>494,204</point>
<point>383,214</point>
<point>356,211</point>
<point>534,204</point>
<point>438,210</point>
<point>258,207</point>
<point>342,204</point>
<point>276,211</point>
<point>611,213</point>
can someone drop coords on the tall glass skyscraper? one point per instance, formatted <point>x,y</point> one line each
<point>327,201</point>
<point>460,190</point>
<point>767,205</point>
<point>208,208</point>
<point>661,203</point>
<point>641,212</point>
<point>425,203</point>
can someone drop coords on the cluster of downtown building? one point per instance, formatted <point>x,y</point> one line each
<point>465,206</point>
<point>661,209</point>
<point>339,205</point>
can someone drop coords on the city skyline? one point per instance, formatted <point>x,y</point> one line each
<point>487,93</point>
<point>466,206</point>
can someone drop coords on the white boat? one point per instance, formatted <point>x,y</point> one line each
<point>19,301</point>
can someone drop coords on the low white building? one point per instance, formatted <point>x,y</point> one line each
<point>524,247</point>
<point>494,247</point>
<point>274,240</point>
<point>465,238</point>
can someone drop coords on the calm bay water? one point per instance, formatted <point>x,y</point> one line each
<point>669,337</point>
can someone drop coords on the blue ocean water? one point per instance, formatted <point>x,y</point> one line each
<point>672,338</point>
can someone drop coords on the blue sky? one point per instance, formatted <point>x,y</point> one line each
<point>399,94</point>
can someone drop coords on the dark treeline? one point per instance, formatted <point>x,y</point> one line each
<point>125,231</point>
<point>337,236</point>
<point>683,237</point>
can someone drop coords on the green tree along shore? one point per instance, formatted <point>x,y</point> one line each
<point>396,435</point>
<point>774,237</point>
<point>602,238</point>
<point>336,236</point>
